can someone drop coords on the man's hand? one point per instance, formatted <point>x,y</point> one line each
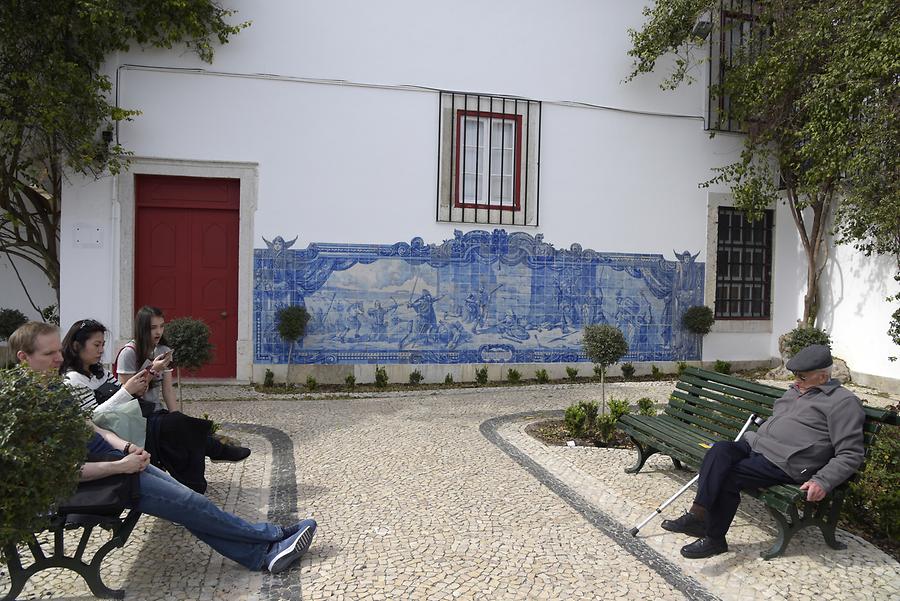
<point>135,462</point>
<point>814,492</point>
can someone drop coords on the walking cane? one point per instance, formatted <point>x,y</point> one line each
<point>680,492</point>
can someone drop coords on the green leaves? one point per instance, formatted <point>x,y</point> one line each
<point>815,85</point>
<point>55,100</point>
<point>42,445</point>
<point>190,340</point>
<point>604,344</point>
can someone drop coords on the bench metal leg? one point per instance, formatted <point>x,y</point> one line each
<point>822,515</point>
<point>643,455</point>
<point>90,572</point>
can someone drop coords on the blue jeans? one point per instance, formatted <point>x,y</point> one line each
<point>164,497</point>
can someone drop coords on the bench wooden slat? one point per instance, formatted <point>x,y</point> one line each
<point>734,412</point>
<point>763,389</point>
<point>720,430</point>
<point>758,404</point>
<point>709,411</point>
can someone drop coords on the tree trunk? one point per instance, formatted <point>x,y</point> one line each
<point>603,390</point>
<point>813,240</point>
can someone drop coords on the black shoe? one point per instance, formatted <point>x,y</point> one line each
<point>705,547</point>
<point>233,453</point>
<point>686,524</point>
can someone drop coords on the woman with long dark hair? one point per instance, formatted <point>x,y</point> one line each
<point>147,350</point>
<point>177,442</point>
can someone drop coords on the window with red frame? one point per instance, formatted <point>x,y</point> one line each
<point>488,159</point>
<point>489,146</point>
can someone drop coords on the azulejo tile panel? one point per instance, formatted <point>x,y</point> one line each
<point>482,297</point>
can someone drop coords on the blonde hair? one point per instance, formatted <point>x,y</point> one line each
<point>23,339</point>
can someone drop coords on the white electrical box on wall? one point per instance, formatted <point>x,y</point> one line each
<point>87,235</point>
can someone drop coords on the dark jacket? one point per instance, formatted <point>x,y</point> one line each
<point>816,436</point>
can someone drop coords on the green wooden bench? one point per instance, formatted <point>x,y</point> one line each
<point>120,528</point>
<point>706,407</point>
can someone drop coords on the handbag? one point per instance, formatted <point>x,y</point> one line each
<point>106,496</point>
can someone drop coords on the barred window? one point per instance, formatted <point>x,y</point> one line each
<point>743,266</point>
<point>488,159</point>
<point>739,30</point>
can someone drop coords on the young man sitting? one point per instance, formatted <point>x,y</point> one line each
<point>254,546</point>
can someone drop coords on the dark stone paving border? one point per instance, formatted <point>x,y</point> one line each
<point>282,502</point>
<point>619,533</point>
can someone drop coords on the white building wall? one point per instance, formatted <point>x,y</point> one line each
<point>356,160</point>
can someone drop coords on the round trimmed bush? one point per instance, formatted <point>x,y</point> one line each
<point>698,319</point>
<point>190,339</point>
<point>43,436</point>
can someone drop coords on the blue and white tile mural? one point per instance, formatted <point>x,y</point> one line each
<point>482,297</point>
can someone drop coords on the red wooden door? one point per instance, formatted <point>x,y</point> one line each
<point>186,256</point>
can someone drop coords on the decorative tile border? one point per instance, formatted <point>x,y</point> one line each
<point>482,297</point>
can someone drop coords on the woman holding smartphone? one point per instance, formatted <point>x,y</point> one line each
<point>148,352</point>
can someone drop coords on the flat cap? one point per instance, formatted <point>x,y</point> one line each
<point>813,357</point>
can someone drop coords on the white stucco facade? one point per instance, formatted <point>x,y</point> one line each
<point>333,108</point>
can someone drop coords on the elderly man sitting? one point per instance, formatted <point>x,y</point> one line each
<point>815,436</point>
<point>254,546</point>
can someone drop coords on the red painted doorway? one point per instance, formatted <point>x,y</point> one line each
<point>186,256</point>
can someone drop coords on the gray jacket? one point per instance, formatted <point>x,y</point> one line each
<point>817,436</point>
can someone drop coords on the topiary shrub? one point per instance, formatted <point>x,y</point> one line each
<point>723,367</point>
<point>698,319</point>
<point>190,339</point>
<point>291,325</point>
<point>598,371</point>
<point>541,376</point>
<point>575,420</point>
<point>513,375</point>
<point>646,407</point>
<point>604,344</point>
<point>269,379</point>
<point>802,336</point>
<point>415,377</point>
<point>350,380</point>
<point>10,320</point>
<point>43,436</point>
<point>381,377</point>
<point>448,379</point>
<point>481,375</point>
<point>627,371</point>
<point>655,372</point>
<point>572,372</point>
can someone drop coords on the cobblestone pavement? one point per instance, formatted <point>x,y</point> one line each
<point>436,495</point>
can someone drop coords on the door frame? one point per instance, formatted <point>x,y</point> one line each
<point>123,219</point>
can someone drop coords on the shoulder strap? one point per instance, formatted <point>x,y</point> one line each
<point>115,365</point>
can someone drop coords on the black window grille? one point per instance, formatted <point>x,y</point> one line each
<point>743,266</point>
<point>488,159</point>
<point>739,30</point>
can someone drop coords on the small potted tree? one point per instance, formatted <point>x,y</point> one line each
<point>291,324</point>
<point>44,438</point>
<point>604,345</point>
<point>190,339</point>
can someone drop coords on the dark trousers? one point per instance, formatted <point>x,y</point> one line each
<point>727,469</point>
